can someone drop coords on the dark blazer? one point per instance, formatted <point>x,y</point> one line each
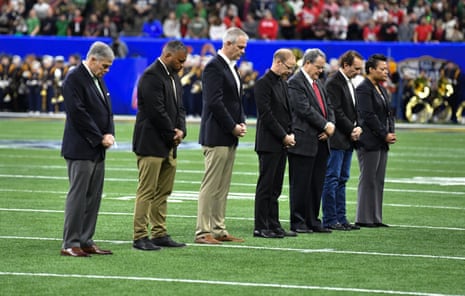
<point>88,116</point>
<point>376,119</point>
<point>308,119</point>
<point>274,120</point>
<point>159,112</point>
<point>222,105</point>
<point>344,109</point>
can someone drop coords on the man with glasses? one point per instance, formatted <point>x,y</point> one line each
<point>89,132</point>
<point>313,125</point>
<point>273,137</point>
<point>342,94</point>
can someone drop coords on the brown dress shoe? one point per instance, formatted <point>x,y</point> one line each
<point>229,238</point>
<point>207,239</point>
<point>74,252</point>
<point>96,250</point>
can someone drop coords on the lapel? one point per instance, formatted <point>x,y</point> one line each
<point>231,77</point>
<point>347,92</point>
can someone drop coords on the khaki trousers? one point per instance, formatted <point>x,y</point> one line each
<point>214,190</point>
<point>156,179</point>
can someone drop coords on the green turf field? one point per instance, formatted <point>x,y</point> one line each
<point>423,253</point>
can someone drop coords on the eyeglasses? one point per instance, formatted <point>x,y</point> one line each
<point>290,68</point>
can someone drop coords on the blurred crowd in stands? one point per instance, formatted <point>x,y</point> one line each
<point>373,20</point>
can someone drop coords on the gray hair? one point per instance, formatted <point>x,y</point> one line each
<point>233,33</point>
<point>174,46</point>
<point>100,50</point>
<point>312,54</point>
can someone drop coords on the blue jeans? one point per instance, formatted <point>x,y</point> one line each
<point>334,189</point>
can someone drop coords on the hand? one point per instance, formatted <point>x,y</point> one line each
<point>329,129</point>
<point>323,136</point>
<point>240,130</point>
<point>289,141</point>
<point>108,140</point>
<point>178,136</point>
<point>391,138</point>
<point>356,132</point>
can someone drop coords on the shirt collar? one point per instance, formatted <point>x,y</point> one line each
<point>306,76</point>
<point>164,66</point>
<point>228,61</point>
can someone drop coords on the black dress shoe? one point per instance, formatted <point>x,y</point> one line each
<point>381,225</point>
<point>302,230</point>
<point>145,244</point>
<point>321,229</point>
<point>166,241</point>
<point>349,226</point>
<point>266,233</point>
<point>284,233</point>
<point>365,224</point>
<point>337,226</point>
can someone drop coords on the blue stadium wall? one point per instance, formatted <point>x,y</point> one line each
<point>123,76</point>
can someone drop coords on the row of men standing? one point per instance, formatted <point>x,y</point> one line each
<point>295,121</point>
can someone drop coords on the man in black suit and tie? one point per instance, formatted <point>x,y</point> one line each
<point>159,129</point>
<point>89,132</point>
<point>221,126</point>
<point>273,137</point>
<point>342,94</point>
<point>313,125</point>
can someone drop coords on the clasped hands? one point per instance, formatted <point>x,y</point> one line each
<point>289,141</point>
<point>240,130</point>
<point>327,132</point>
<point>108,140</point>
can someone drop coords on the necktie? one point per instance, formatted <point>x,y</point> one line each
<point>174,88</point>
<point>319,98</point>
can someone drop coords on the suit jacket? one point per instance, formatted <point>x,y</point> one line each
<point>159,112</point>
<point>376,119</point>
<point>222,105</point>
<point>344,109</point>
<point>88,116</point>
<point>274,120</point>
<point>308,119</point>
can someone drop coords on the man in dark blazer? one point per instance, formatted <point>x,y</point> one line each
<point>313,125</point>
<point>377,123</point>
<point>89,132</point>
<point>159,129</point>
<point>273,137</point>
<point>221,126</point>
<point>342,94</point>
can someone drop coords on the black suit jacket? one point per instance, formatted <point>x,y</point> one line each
<point>222,105</point>
<point>88,116</point>
<point>159,112</point>
<point>274,120</point>
<point>376,119</point>
<point>308,118</point>
<point>344,109</point>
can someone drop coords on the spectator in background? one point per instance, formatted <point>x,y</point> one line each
<point>389,30</point>
<point>76,26</point>
<point>231,19</point>
<point>48,24</point>
<point>439,33</point>
<point>338,26</point>
<point>245,8</point>
<point>217,28</point>
<point>41,7</point>
<point>62,25</point>
<point>108,28</point>
<point>142,12</point>
<point>184,7</point>
<point>197,28</point>
<point>33,23</point>
<point>305,20</point>
<point>365,14</point>
<point>354,30</point>
<point>406,29</point>
<point>92,28</point>
<point>119,47</point>
<point>268,27</point>
<point>171,26</point>
<point>287,23</point>
<point>321,29</point>
<point>184,25</point>
<point>250,26</point>
<point>152,27</point>
<point>423,31</point>
<point>371,31</point>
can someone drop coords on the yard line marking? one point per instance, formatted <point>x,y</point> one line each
<point>229,218</point>
<point>225,283</point>
<point>331,251</point>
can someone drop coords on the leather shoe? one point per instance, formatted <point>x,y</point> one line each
<point>166,241</point>
<point>337,226</point>
<point>94,249</point>
<point>266,233</point>
<point>74,252</point>
<point>283,232</point>
<point>302,230</point>
<point>349,226</point>
<point>207,239</point>
<point>321,229</point>
<point>145,244</point>
<point>229,238</point>
<point>381,225</point>
<point>365,224</point>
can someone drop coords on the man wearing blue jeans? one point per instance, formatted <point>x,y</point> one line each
<point>342,97</point>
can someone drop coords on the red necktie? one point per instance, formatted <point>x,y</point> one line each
<point>319,99</point>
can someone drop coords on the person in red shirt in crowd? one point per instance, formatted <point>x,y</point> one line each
<point>231,19</point>
<point>306,18</point>
<point>268,27</point>
<point>371,31</point>
<point>423,31</point>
